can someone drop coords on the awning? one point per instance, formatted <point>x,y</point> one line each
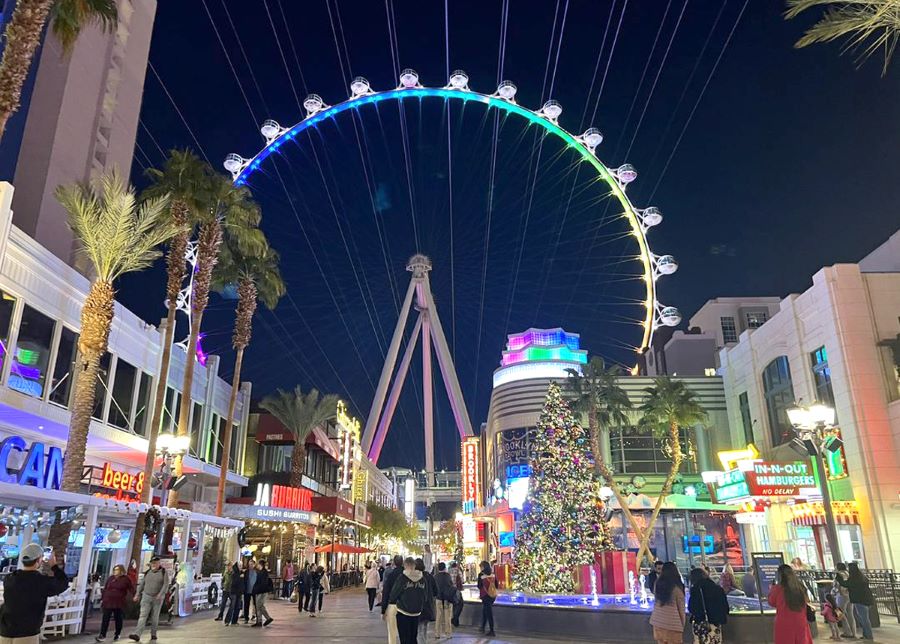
<point>812,514</point>
<point>342,548</point>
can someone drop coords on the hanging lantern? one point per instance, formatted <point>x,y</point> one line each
<point>192,543</point>
<point>151,539</point>
<point>114,536</point>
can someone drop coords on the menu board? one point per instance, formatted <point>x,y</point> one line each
<point>765,567</point>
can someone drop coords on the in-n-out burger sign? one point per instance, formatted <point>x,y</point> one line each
<point>471,482</point>
<point>36,470</point>
<point>281,496</point>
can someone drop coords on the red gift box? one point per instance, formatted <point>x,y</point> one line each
<point>614,567</point>
<point>585,582</point>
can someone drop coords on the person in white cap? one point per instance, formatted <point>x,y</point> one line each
<point>25,594</point>
<point>150,592</point>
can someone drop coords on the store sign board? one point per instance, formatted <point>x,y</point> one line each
<point>765,479</point>
<point>282,496</point>
<point>513,446</point>
<point>282,514</point>
<point>765,567</point>
<point>471,482</point>
<point>41,468</point>
<point>120,481</point>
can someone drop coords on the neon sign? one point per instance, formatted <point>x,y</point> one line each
<point>471,482</point>
<point>349,441</point>
<point>765,479</point>
<point>36,470</point>
<point>282,496</point>
<point>122,481</point>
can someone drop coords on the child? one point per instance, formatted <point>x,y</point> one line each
<point>832,615</point>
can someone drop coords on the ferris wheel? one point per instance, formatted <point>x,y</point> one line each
<point>640,220</point>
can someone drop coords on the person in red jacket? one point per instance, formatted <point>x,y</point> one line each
<point>118,589</point>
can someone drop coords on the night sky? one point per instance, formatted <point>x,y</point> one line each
<point>788,163</point>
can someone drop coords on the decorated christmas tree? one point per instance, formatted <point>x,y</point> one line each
<point>562,523</point>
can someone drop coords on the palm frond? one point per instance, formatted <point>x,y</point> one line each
<point>670,402</point>
<point>300,412</point>
<point>69,17</point>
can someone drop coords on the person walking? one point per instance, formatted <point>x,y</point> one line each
<point>832,615</point>
<point>842,600</point>
<point>409,595</point>
<point>226,593</point>
<point>788,597</point>
<point>250,576</point>
<point>150,593</point>
<point>287,580</point>
<point>325,582</point>
<point>261,589</point>
<point>456,575</point>
<point>429,611</point>
<point>236,592</point>
<point>726,580</point>
<point>25,593</point>
<point>116,592</point>
<point>303,582</point>
<point>315,587</point>
<point>653,575</point>
<point>860,598</point>
<point>372,581</point>
<point>708,608</point>
<point>446,596</point>
<point>388,607</point>
<point>667,618</point>
<point>487,592</point>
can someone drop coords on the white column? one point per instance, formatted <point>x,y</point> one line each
<point>84,562</point>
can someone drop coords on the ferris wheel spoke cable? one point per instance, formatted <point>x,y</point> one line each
<point>293,48</point>
<point>612,50</point>
<point>243,51</point>
<point>230,64</point>
<point>178,111</point>
<point>281,52</point>
<point>450,185</point>
<point>162,153</point>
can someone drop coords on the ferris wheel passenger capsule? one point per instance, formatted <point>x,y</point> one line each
<point>270,129</point>
<point>360,86</point>
<point>651,216</point>
<point>626,173</point>
<point>313,103</point>
<point>459,80</point>
<point>507,90</point>
<point>409,78</point>
<point>670,316</point>
<point>552,109</point>
<point>234,163</point>
<point>592,137</point>
<point>666,264</point>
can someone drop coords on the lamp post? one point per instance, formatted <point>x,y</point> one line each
<point>168,447</point>
<point>810,424</point>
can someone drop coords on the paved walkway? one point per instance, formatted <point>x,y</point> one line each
<point>346,619</point>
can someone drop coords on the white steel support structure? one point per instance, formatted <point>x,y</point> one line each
<point>428,324</point>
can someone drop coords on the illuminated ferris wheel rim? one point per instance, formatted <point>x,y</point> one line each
<point>361,93</point>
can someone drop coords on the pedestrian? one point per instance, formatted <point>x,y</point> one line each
<point>303,581</point>
<point>261,589</point>
<point>150,593</point>
<point>372,581</point>
<point>25,593</point>
<point>287,580</point>
<point>429,612</point>
<point>456,574</point>
<point>842,600</point>
<point>115,594</point>
<point>226,593</point>
<point>832,615</point>
<point>798,565</point>
<point>236,588</point>
<point>388,607</point>
<point>487,592</point>
<point>446,597</point>
<point>653,575</point>
<point>726,579</point>
<point>326,587</point>
<point>667,618</point>
<point>748,584</point>
<point>708,608</point>
<point>860,598</point>
<point>315,587</point>
<point>250,575</point>
<point>788,597</point>
<point>409,594</point>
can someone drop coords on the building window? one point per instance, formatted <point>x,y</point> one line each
<point>102,385</point>
<point>729,331</point>
<point>744,403</point>
<point>213,446</point>
<point>196,417</point>
<point>28,370</point>
<point>822,376</point>
<point>779,393</point>
<point>756,319</point>
<point>169,420</point>
<point>63,369</point>
<point>235,443</point>
<point>7,306</point>
<point>122,395</point>
<point>639,452</point>
<point>142,408</point>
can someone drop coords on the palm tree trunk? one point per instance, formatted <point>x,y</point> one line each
<point>666,489</point>
<point>602,472</point>
<point>22,38</point>
<point>175,268</point>
<point>226,437</point>
<point>298,461</point>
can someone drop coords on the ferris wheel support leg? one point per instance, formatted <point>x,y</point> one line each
<point>387,370</point>
<point>428,398</point>
<point>385,421</point>
<point>448,370</point>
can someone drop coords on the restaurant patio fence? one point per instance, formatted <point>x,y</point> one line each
<point>885,585</point>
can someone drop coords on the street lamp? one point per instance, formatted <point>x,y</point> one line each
<point>811,425</point>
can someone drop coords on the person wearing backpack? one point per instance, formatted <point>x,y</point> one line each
<point>429,611</point>
<point>446,595</point>
<point>409,594</point>
<point>487,591</point>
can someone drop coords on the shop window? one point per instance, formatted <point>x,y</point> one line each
<point>64,369</point>
<point>122,395</point>
<point>142,408</point>
<point>7,306</point>
<point>746,421</point>
<point>779,394</point>
<point>822,376</point>
<point>31,361</point>
<point>102,385</point>
<point>729,331</point>
<point>756,319</point>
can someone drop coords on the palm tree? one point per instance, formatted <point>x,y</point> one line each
<point>23,36</point>
<point>230,211</point>
<point>258,280</point>
<point>867,25</point>
<point>117,235</point>
<point>300,413</point>
<point>596,393</point>
<point>182,177</point>
<point>669,406</point>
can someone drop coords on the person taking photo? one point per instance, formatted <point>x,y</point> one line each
<point>25,594</point>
